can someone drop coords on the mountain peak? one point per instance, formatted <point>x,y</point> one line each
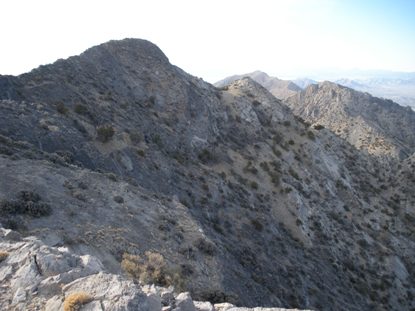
<point>281,89</point>
<point>127,48</point>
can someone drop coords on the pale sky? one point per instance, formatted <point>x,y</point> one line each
<point>214,39</point>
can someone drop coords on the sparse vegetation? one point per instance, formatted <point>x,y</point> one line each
<point>256,223</point>
<point>205,246</point>
<point>28,203</point>
<point>156,138</point>
<point>254,185</point>
<point>105,133</point>
<point>60,107</point>
<point>141,153</point>
<point>118,199</point>
<point>288,189</point>
<point>205,156</point>
<point>81,109</point>
<point>151,269</point>
<point>76,300</point>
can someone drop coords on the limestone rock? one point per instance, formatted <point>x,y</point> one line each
<point>224,306</point>
<point>184,303</point>
<point>203,306</point>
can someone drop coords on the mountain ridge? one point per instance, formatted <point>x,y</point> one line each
<point>281,89</point>
<point>359,118</point>
<point>246,201</point>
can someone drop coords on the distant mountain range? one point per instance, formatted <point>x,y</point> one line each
<point>397,86</point>
<point>400,90</point>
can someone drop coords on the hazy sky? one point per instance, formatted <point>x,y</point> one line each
<point>213,39</point>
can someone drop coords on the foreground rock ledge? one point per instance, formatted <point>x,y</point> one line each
<point>34,276</point>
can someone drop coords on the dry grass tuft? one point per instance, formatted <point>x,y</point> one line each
<point>3,255</point>
<point>75,301</point>
<point>151,268</point>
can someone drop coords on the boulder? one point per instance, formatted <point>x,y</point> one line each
<point>184,302</point>
<point>203,306</point>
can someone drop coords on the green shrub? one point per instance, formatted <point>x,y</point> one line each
<point>118,199</point>
<point>205,246</point>
<point>60,107</point>
<point>256,223</point>
<point>288,189</point>
<point>275,178</point>
<point>205,156</point>
<point>254,185</point>
<point>28,203</point>
<point>105,133</point>
<point>81,109</point>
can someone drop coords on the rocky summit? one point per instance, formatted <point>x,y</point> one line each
<point>281,89</point>
<point>123,177</point>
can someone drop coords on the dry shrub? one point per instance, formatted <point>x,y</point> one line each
<point>150,268</point>
<point>75,301</point>
<point>3,255</point>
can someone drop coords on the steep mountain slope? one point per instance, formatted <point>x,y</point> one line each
<point>378,126</point>
<point>119,152</point>
<point>281,89</point>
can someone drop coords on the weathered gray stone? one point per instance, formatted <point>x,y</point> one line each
<point>167,296</point>
<point>224,306</point>
<point>19,296</point>
<point>10,235</point>
<point>203,306</point>
<point>154,302</point>
<point>184,302</point>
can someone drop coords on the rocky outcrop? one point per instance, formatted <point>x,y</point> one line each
<point>38,277</point>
